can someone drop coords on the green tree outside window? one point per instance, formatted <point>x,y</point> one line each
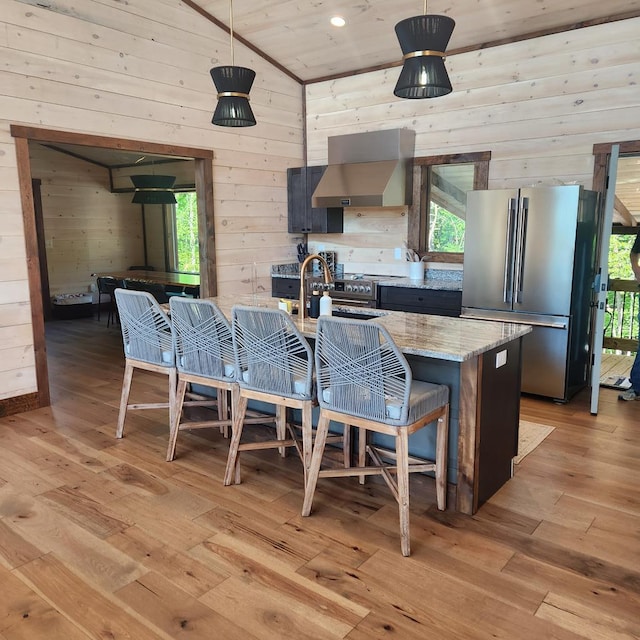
<point>186,212</point>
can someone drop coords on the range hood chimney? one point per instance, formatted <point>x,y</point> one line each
<point>368,170</point>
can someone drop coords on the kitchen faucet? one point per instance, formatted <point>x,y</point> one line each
<point>302,311</point>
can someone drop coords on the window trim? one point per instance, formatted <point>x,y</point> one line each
<point>418,212</point>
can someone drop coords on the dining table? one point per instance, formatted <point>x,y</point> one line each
<point>157,277</point>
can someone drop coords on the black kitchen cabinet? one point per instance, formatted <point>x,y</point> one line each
<point>436,302</point>
<point>302,217</point>
<point>288,288</point>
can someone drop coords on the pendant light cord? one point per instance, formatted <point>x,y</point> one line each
<point>231,28</point>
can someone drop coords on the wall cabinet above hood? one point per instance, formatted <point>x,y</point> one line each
<point>373,169</point>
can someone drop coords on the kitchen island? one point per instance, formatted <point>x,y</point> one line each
<point>480,362</point>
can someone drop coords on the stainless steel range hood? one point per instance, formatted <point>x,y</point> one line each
<point>368,170</point>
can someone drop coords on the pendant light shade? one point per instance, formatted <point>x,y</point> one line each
<point>423,40</point>
<point>152,189</point>
<point>233,85</point>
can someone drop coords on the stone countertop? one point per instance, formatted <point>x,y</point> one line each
<point>426,283</point>
<point>443,338</point>
<point>397,281</point>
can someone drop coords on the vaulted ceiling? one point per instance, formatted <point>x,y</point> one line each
<point>297,34</point>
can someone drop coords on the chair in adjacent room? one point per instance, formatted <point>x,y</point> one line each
<point>364,380</point>
<point>155,289</point>
<point>274,363</point>
<point>106,287</point>
<point>205,357</point>
<point>148,345</point>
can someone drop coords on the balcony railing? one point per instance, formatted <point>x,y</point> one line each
<point>621,320</point>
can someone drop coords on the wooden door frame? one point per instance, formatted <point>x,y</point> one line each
<point>206,238</point>
<point>601,154</point>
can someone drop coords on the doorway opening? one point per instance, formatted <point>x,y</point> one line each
<point>203,187</point>
<point>620,340</point>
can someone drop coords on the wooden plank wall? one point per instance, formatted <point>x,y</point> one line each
<point>141,71</point>
<point>538,106</point>
<point>87,228</point>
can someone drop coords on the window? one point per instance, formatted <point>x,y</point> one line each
<point>185,255</point>
<point>447,201</point>
<point>436,224</point>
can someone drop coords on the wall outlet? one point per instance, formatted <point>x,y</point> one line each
<point>397,253</point>
<point>501,358</point>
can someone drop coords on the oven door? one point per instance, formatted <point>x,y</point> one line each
<point>340,300</point>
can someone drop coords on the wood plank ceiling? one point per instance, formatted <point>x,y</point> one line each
<point>298,36</point>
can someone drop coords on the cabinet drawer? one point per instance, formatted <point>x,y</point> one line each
<point>288,288</point>
<point>432,301</point>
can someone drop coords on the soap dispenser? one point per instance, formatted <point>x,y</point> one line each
<point>325,304</point>
<point>314,304</point>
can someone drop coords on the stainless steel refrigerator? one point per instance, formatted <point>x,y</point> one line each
<point>530,257</point>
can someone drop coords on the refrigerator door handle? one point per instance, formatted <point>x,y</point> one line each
<point>507,285</point>
<point>522,241</point>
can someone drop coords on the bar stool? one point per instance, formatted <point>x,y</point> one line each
<point>364,380</point>
<point>274,364</point>
<point>204,356</point>
<point>148,345</point>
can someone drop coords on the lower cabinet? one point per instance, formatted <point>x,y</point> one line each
<point>435,302</point>
<point>287,288</point>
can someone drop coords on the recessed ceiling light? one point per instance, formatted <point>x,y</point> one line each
<point>338,21</point>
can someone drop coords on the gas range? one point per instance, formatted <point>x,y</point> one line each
<point>353,290</point>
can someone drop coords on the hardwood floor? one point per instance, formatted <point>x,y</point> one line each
<point>104,539</point>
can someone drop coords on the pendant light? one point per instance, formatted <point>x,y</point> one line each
<point>233,85</point>
<point>423,40</point>
<point>152,189</point>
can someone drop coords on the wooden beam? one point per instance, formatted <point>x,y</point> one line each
<point>489,44</point>
<point>242,40</point>
<point>620,207</point>
<point>56,136</point>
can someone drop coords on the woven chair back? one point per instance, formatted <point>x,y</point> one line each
<point>360,370</point>
<point>146,329</point>
<point>272,356</point>
<point>203,340</point>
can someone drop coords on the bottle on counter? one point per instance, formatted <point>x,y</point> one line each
<point>325,304</point>
<point>314,304</point>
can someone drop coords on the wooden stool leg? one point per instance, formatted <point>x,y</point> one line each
<point>281,427</point>
<point>232,474</point>
<point>235,397</point>
<point>307,439</point>
<point>235,403</point>
<point>173,385</point>
<point>346,445</point>
<point>362,451</point>
<point>402,452</point>
<point>223,409</point>
<point>175,425</point>
<point>316,459</point>
<point>124,398</point>
<point>442,442</point>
